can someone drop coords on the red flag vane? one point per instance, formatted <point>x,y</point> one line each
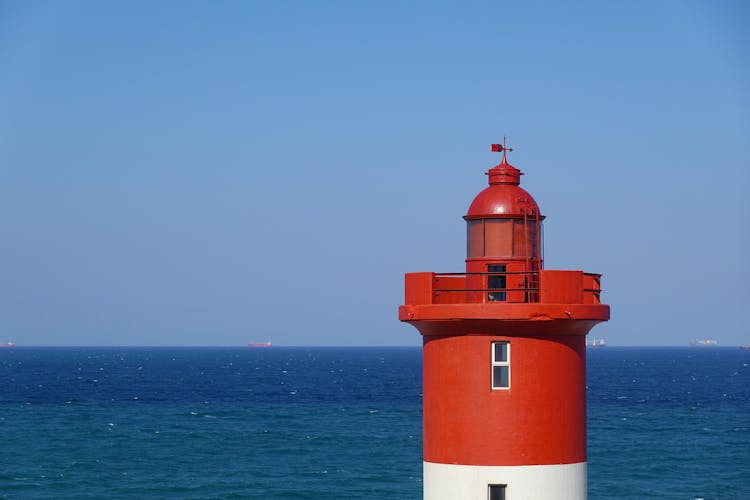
<point>497,148</point>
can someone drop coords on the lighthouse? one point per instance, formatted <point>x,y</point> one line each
<point>504,357</point>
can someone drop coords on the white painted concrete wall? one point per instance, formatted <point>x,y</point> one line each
<point>525,482</point>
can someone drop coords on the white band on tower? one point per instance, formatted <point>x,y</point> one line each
<point>521,482</point>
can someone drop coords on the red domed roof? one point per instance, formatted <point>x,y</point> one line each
<point>504,196</point>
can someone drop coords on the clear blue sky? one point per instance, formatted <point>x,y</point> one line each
<point>214,173</point>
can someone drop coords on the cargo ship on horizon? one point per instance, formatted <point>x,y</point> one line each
<point>704,343</point>
<point>596,342</point>
<point>260,344</point>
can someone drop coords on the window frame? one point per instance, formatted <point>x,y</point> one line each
<point>499,363</point>
<point>497,286</point>
<point>498,488</point>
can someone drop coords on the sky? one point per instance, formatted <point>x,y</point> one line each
<point>218,173</point>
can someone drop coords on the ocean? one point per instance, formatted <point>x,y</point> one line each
<point>330,423</point>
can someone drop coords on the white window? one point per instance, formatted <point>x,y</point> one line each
<point>501,365</point>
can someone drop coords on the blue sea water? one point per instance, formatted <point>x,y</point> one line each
<point>327,423</point>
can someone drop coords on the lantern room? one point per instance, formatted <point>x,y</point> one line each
<point>504,233</point>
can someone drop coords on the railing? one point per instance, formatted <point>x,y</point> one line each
<point>478,287</point>
<point>545,286</point>
<point>592,286</point>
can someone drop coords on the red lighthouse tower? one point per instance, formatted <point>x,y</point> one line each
<point>504,357</point>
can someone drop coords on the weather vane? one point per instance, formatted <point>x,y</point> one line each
<point>497,148</point>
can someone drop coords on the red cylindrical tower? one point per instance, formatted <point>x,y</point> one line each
<point>504,357</point>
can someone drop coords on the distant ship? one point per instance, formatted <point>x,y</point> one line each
<point>259,344</point>
<point>703,342</point>
<point>7,344</point>
<point>745,347</point>
<point>595,342</point>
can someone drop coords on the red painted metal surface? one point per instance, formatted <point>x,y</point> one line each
<point>541,419</point>
<point>504,195</point>
<point>504,295</point>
